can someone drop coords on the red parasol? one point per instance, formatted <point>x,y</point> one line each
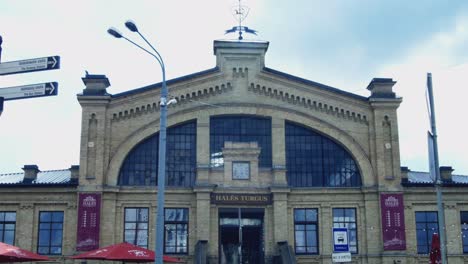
<point>9,253</point>
<point>435,256</point>
<point>123,252</point>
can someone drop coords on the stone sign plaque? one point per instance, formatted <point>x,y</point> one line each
<point>241,199</point>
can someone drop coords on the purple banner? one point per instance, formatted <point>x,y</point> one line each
<point>89,208</point>
<point>393,221</point>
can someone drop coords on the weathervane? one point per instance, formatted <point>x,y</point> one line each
<point>240,12</point>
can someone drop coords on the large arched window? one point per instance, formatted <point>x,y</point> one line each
<point>240,128</point>
<point>140,167</point>
<point>314,160</point>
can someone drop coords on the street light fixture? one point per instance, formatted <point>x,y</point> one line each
<point>159,240</point>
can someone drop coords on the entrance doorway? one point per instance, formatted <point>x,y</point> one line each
<point>241,236</point>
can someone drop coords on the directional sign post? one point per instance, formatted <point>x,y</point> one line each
<point>29,91</point>
<point>24,66</point>
<point>30,65</point>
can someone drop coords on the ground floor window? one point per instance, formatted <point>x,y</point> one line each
<point>50,233</point>
<point>136,226</point>
<point>346,217</point>
<point>7,227</point>
<point>306,231</point>
<point>176,230</point>
<point>426,225</point>
<point>464,230</point>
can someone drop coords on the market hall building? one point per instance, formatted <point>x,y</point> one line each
<point>258,162</point>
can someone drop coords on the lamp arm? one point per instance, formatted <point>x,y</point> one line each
<point>159,55</point>
<point>159,59</point>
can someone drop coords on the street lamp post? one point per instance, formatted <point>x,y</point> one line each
<point>159,239</point>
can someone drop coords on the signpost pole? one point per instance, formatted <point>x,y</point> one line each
<point>1,104</point>
<point>1,41</point>
<point>438,181</point>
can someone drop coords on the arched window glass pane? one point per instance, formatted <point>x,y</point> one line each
<point>243,128</point>
<point>313,160</point>
<point>140,167</point>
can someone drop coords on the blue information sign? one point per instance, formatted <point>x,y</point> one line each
<point>340,239</point>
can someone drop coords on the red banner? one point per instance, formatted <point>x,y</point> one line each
<point>89,208</point>
<point>393,221</point>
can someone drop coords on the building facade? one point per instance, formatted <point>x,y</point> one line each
<point>258,162</point>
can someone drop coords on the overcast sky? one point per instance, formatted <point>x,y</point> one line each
<point>343,44</point>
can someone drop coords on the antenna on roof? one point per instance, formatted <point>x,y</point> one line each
<point>240,12</point>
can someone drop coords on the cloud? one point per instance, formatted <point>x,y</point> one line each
<point>444,55</point>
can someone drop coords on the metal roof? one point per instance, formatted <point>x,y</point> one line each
<point>265,69</point>
<point>316,84</point>
<point>418,177</point>
<point>168,82</point>
<point>43,178</point>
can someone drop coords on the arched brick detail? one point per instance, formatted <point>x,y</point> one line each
<point>343,137</point>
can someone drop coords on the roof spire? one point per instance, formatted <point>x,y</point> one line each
<point>240,12</point>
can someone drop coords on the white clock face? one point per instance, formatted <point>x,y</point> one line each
<point>240,170</point>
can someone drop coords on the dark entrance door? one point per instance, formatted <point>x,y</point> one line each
<point>241,243</point>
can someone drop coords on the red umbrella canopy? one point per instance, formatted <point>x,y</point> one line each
<point>123,252</point>
<point>435,256</point>
<point>9,253</point>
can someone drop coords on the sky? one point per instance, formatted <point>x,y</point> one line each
<point>343,44</point>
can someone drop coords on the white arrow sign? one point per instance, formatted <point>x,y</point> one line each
<point>31,65</point>
<point>29,91</point>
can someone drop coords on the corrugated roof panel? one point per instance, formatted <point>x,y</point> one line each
<point>460,179</point>
<point>11,178</point>
<point>419,177</point>
<point>425,177</point>
<point>43,177</point>
<point>56,176</point>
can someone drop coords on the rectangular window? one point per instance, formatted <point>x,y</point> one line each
<point>426,225</point>
<point>50,233</point>
<point>176,230</point>
<point>346,217</point>
<point>136,226</point>
<point>464,230</point>
<point>306,231</point>
<point>7,227</point>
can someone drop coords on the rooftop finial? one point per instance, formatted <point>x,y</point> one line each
<point>240,12</point>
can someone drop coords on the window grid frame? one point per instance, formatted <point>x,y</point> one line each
<point>177,223</point>
<point>345,224</point>
<point>315,160</point>
<point>426,230</point>
<point>304,224</point>
<point>464,230</point>
<point>136,222</point>
<point>241,128</point>
<point>49,246</point>
<point>140,166</point>
<point>4,222</point>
